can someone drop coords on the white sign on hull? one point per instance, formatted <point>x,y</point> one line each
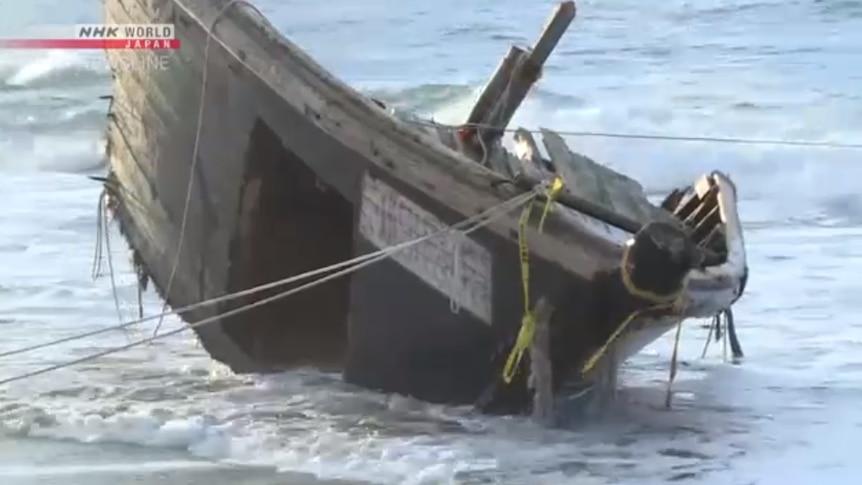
<point>388,218</point>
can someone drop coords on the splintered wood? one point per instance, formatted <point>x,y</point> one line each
<point>516,74</point>
<point>541,369</point>
<point>578,177</point>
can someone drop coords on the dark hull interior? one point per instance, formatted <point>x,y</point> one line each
<point>289,223</point>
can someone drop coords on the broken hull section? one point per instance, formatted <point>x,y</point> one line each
<point>281,187</point>
<point>711,209</point>
<point>250,217</point>
<point>274,196</point>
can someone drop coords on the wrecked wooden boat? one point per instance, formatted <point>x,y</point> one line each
<point>292,170</point>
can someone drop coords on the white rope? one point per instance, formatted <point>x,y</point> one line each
<point>478,221</point>
<point>97,255</point>
<point>486,215</point>
<point>103,234</point>
<point>198,131</point>
<point>642,136</point>
<point>107,230</point>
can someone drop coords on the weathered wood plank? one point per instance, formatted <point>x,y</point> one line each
<point>389,144</point>
<point>446,136</point>
<point>541,371</point>
<point>528,155</point>
<point>388,218</point>
<point>552,32</point>
<point>632,196</point>
<point>495,87</point>
<point>513,83</point>
<point>578,176</point>
<point>626,195</point>
<point>513,164</point>
<point>496,159</point>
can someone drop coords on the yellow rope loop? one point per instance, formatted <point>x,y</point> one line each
<point>528,321</point>
<point>673,302</point>
<point>523,342</point>
<point>642,293</point>
<point>553,192</point>
<point>598,354</point>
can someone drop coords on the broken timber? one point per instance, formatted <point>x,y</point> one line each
<point>590,188</point>
<point>541,368</point>
<point>494,109</point>
<point>510,84</point>
<point>496,106</point>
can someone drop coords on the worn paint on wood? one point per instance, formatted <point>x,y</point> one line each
<point>388,218</point>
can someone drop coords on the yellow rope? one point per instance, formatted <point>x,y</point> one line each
<point>528,321</point>
<point>660,302</point>
<point>633,289</point>
<point>466,226</point>
<point>553,193</point>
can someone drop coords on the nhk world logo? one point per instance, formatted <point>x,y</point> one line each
<point>100,36</point>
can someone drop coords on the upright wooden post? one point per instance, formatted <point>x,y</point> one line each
<point>541,370</point>
<point>492,91</point>
<point>513,79</point>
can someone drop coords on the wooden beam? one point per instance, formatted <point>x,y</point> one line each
<point>514,77</point>
<point>580,179</point>
<point>494,89</point>
<point>527,72</point>
<point>541,369</point>
<point>553,31</point>
<point>528,154</point>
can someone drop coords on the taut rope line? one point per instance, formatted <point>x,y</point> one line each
<point>496,211</point>
<point>640,136</point>
<point>198,131</point>
<point>481,218</point>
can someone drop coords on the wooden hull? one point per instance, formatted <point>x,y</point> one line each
<point>294,172</point>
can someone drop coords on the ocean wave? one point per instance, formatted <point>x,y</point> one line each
<point>840,10</point>
<point>789,178</point>
<point>44,120</point>
<point>77,151</point>
<point>64,69</point>
<point>424,98</point>
<point>446,101</point>
<point>311,423</point>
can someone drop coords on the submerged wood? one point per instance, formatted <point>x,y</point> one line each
<point>298,171</point>
<point>541,366</point>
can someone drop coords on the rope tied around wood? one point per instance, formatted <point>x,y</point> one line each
<point>465,226</point>
<point>528,321</point>
<point>671,302</point>
<point>198,130</point>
